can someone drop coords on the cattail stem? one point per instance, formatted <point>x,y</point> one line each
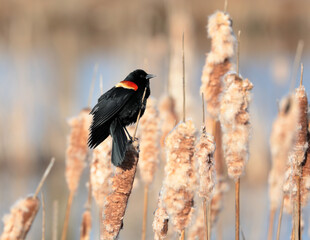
<point>43,216</point>
<point>183,75</point>
<point>237,209</point>
<point>205,218</point>
<point>280,219</point>
<point>47,171</point>
<point>182,236</point>
<point>55,220</point>
<point>225,5</point>
<point>68,209</point>
<point>297,58</point>
<point>209,220</point>
<point>146,193</point>
<point>297,211</point>
<point>238,52</point>
<point>271,223</point>
<point>101,222</point>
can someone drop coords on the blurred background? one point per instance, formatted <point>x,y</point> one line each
<point>51,50</point>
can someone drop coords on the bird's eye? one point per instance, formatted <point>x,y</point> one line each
<point>141,76</point>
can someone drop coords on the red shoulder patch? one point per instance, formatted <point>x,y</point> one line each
<point>128,85</point>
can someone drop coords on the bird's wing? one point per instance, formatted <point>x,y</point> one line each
<point>110,104</point>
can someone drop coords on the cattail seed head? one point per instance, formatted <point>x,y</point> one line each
<point>101,171</point>
<point>160,222</point>
<point>116,201</point>
<point>180,179</point>
<point>235,121</point>
<point>20,219</point>
<point>77,148</point>
<point>218,60</point>
<point>149,142</point>
<point>205,155</point>
<point>305,180</point>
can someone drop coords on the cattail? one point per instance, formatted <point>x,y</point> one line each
<point>218,60</point>
<point>116,201</point>
<point>101,171</point>
<point>149,144</point>
<point>160,222</point>
<point>281,140</point>
<point>235,121</point>
<point>86,225</point>
<point>180,179</point>
<point>19,221</point>
<point>305,180</point>
<point>77,148</point>
<point>167,115</point>
<point>205,155</point>
<point>75,157</point>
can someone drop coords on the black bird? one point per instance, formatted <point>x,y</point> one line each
<point>118,108</point>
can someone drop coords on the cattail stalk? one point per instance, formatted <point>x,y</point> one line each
<point>281,140</point>
<point>55,220</point>
<point>180,180</point>
<point>149,152</point>
<point>43,216</point>
<point>218,61</point>
<point>100,176</point>
<point>235,121</point>
<point>86,225</point>
<point>75,158</point>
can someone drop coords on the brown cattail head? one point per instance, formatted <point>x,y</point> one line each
<point>77,148</point>
<point>180,179</point>
<point>205,155</point>
<point>305,180</point>
<point>116,202</point>
<point>101,171</point>
<point>149,142</point>
<point>20,219</point>
<point>235,121</point>
<point>86,225</point>
<point>167,116</point>
<point>160,223</point>
<point>281,140</point>
<point>218,60</point>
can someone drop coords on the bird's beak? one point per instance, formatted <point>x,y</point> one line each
<point>149,76</point>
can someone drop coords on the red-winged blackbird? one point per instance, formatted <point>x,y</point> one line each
<point>118,108</point>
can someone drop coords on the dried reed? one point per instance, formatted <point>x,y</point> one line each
<point>167,116</point>
<point>218,60</point>
<point>180,180</point>
<point>281,140</point>
<point>160,222</point>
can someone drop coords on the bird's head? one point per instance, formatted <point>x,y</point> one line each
<point>139,77</point>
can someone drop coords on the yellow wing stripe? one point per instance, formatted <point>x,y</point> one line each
<point>128,85</point>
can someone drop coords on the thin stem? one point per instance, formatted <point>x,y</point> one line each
<point>271,223</point>
<point>298,54</point>
<point>297,211</point>
<point>301,73</point>
<point>237,208</point>
<point>68,209</point>
<point>238,51</point>
<point>209,221</point>
<point>182,236</point>
<point>225,5</point>
<point>203,112</point>
<point>139,114</point>
<point>43,216</point>
<point>47,171</point>
<point>183,64</point>
<point>55,220</point>
<point>280,219</point>
<point>205,218</point>
<point>101,222</point>
<point>146,193</point>
<point>92,85</point>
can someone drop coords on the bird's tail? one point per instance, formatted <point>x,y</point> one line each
<point>119,144</point>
